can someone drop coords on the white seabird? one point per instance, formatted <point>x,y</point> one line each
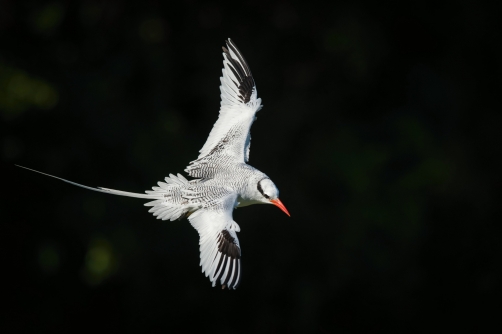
<point>222,178</point>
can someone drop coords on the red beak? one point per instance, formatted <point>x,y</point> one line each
<point>278,203</point>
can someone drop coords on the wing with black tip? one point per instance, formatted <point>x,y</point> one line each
<point>230,138</point>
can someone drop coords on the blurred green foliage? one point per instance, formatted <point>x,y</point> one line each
<point>49,258</point>
<point>47,18</point>
<point>100,261</point>
<point>19,91</point>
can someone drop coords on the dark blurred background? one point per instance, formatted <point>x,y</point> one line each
<point>379,127</point>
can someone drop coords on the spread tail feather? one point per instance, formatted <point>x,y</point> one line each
<point>99,189</point>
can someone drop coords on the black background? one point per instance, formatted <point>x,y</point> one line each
<point>378,127</point>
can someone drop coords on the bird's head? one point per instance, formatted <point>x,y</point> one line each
<point>269,194</point>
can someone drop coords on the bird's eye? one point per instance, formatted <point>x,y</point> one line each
<point>260,189</point>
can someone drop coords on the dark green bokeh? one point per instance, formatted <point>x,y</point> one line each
<point>378,128</point>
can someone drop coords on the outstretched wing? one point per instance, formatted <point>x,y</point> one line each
<point>220,252</point>
<point>229,140</point>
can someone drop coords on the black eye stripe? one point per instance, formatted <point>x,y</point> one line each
<point>261,190</point>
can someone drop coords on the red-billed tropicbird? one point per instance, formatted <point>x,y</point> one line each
<point>223,179</point>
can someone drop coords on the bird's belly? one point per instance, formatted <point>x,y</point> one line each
<point>245,202</point>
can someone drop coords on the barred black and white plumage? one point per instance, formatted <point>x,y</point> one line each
<point>222,178</point>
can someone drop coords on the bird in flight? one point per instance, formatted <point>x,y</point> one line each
<point>222,180</point>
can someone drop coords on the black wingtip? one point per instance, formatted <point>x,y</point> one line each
<point>241,71</point>
<point>228,42</point>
